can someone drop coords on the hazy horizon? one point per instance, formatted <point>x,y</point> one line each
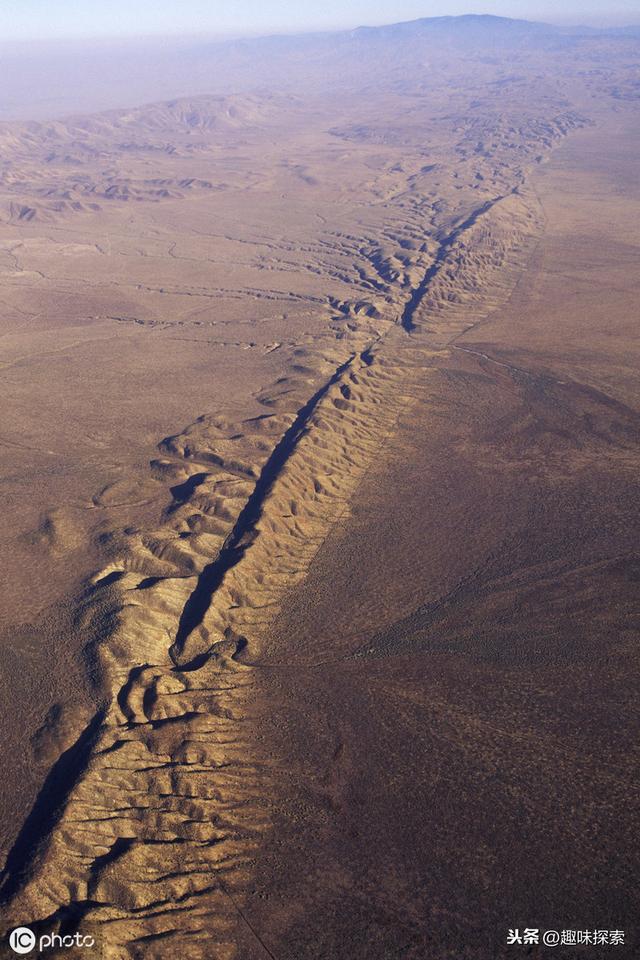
<point>60,74</point>
<point>67,20</point>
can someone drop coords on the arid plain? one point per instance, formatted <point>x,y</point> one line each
<point>320,425</point>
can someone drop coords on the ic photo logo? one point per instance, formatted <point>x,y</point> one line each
<point>22,940</point>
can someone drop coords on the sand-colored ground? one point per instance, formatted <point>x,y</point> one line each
<point>457,673</point>
<point>321,428</point>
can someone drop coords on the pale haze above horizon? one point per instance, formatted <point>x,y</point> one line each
<point>68,19</point>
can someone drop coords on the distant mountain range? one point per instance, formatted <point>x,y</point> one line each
<point>51,80</point>
<point>485,25</point>
<point>481,28</point>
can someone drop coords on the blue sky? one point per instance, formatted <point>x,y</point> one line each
<point>45,19</point>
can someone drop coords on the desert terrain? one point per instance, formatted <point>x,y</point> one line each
<point>320,422</point>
